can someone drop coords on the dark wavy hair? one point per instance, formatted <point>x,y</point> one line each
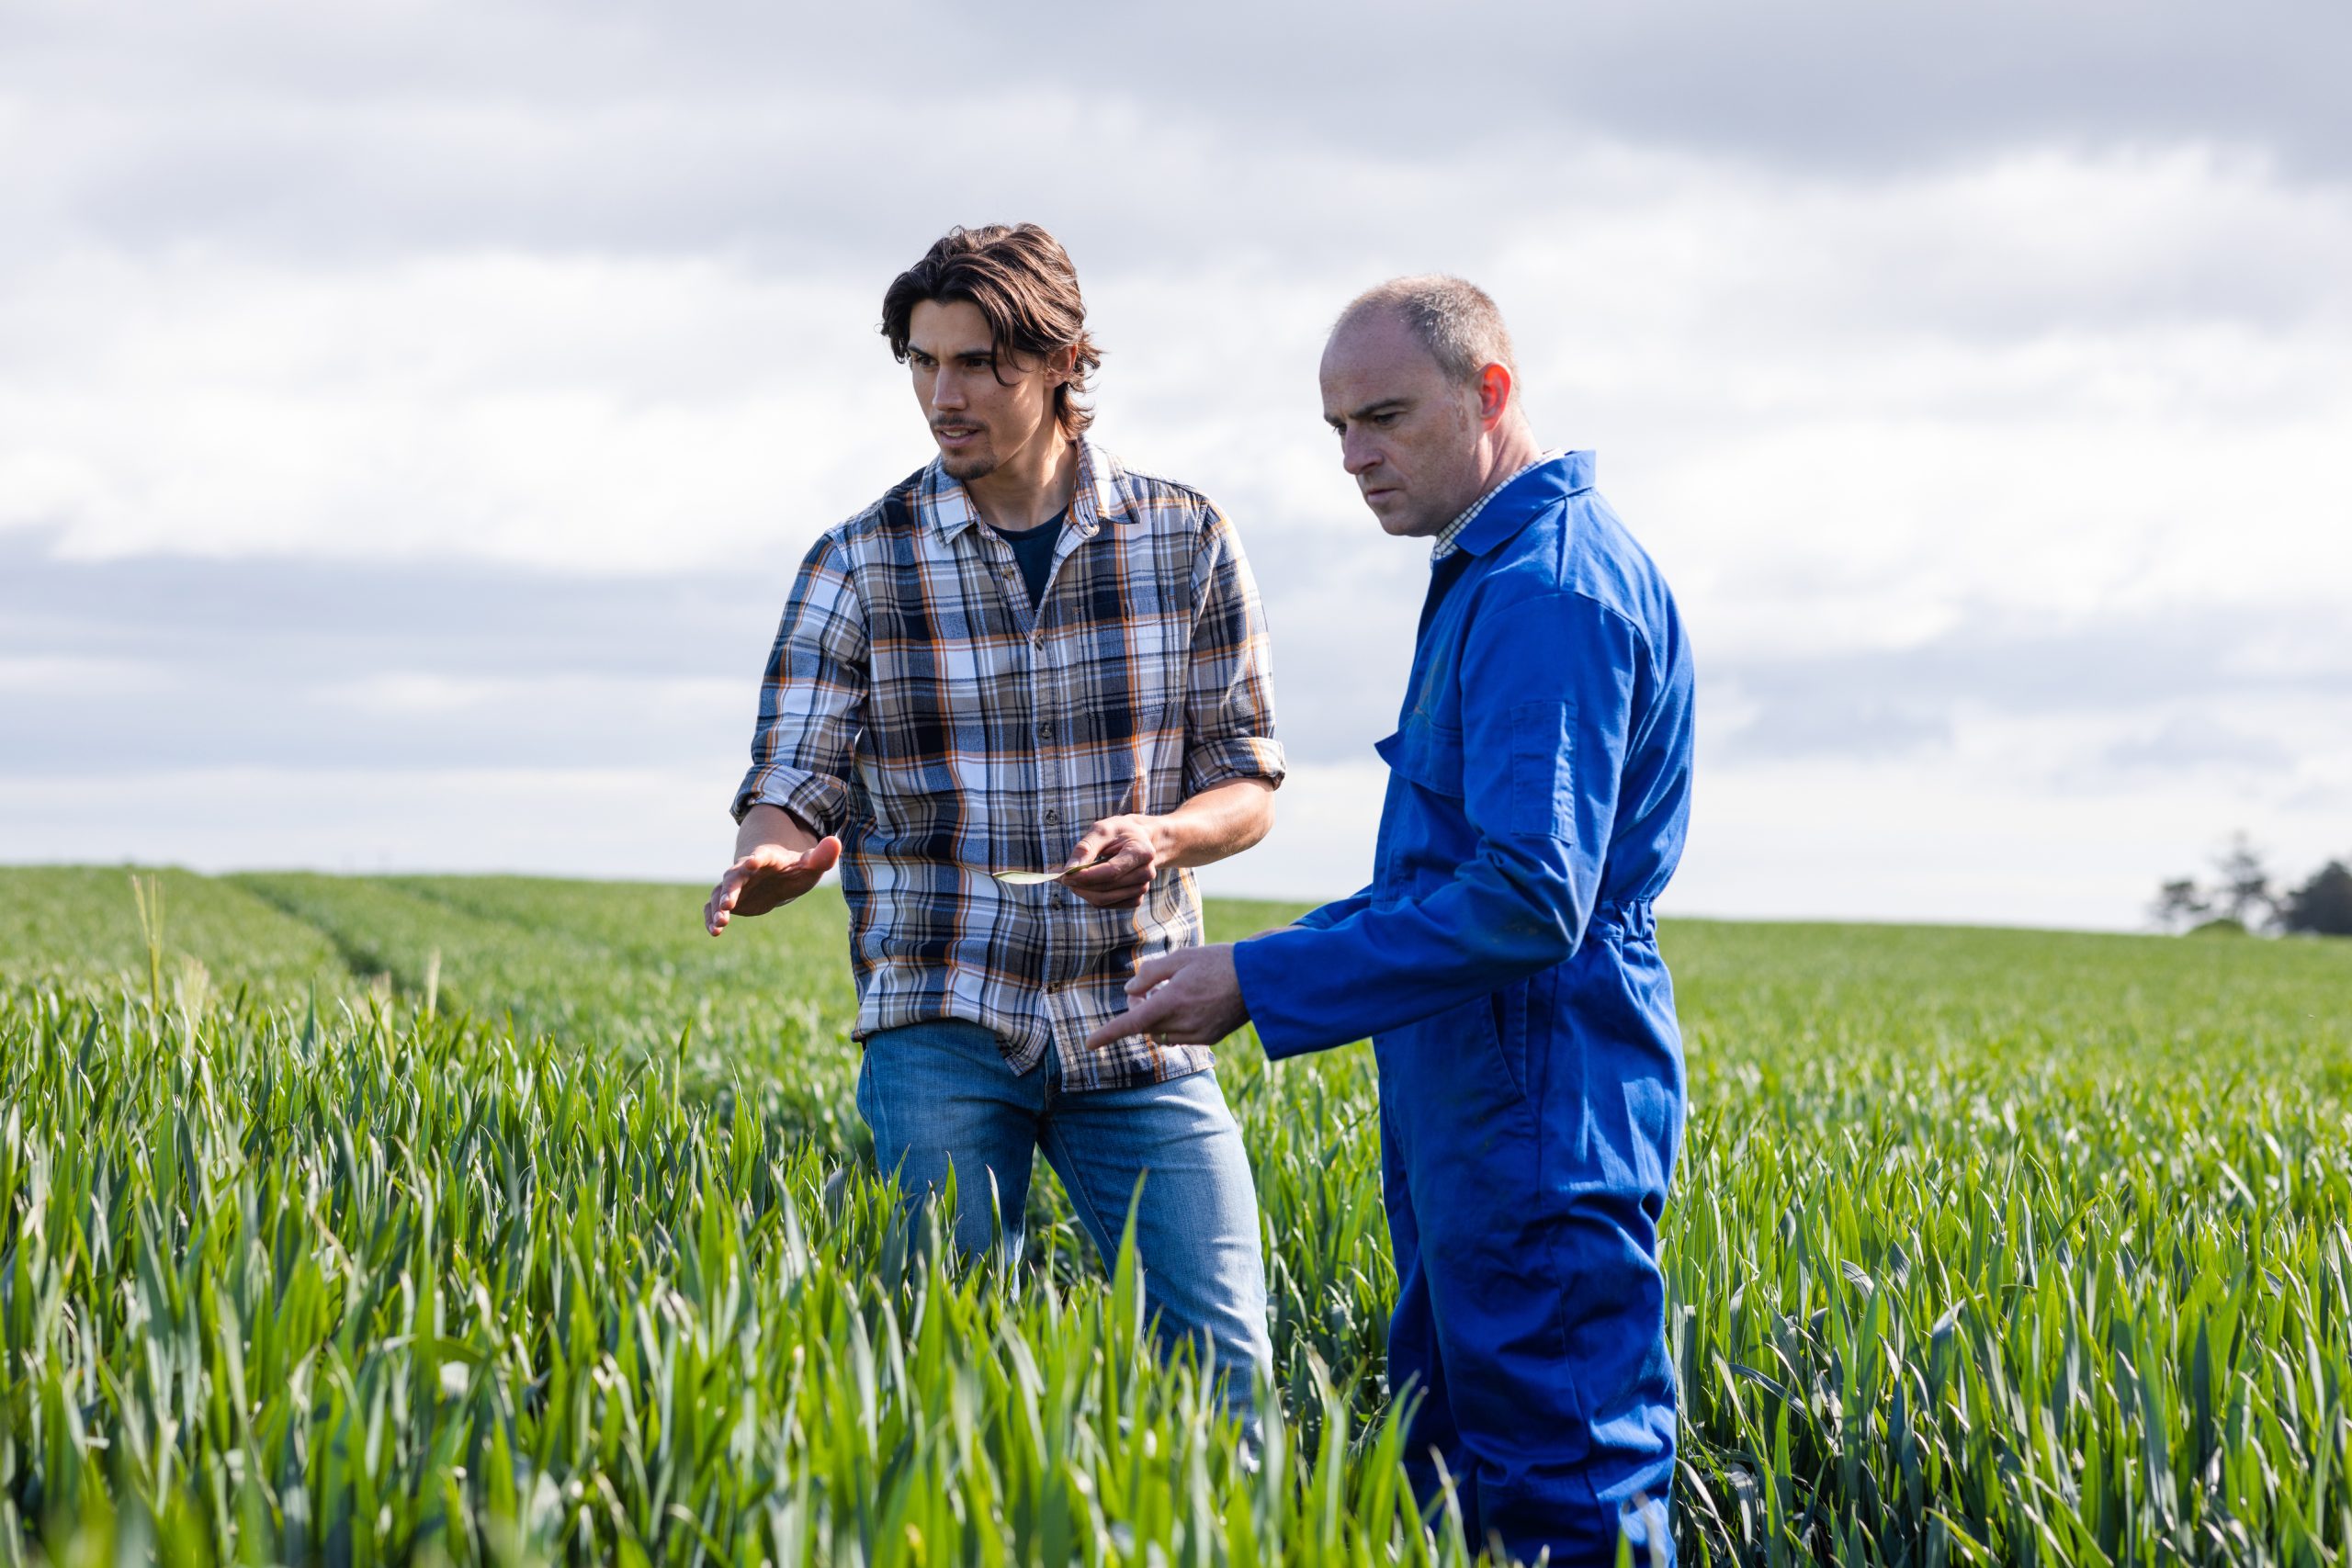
<point>1021,281</point>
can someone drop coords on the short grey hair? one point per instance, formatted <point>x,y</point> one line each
<point>1454,318</point>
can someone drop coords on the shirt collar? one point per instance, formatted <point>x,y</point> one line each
<point>1532,489</point>
<point>1095,500</point>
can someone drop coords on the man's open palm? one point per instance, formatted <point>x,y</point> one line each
<point>766,878</point>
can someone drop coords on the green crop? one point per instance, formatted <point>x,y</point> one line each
<point>502,1220</point>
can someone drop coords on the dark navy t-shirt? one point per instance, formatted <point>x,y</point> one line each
<point>1032,548</point>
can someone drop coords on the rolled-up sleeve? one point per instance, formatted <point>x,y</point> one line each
<point>1229,688</point>
<point>1547,698</point>
<point>812,698</point>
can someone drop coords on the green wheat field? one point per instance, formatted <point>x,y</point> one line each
<point>398,1219</point>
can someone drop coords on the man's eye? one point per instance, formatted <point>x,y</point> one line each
<point>1384,420</point>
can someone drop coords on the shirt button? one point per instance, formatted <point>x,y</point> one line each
<point>1052,815</point>
<point>1045,731</point>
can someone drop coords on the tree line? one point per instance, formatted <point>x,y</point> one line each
<point>2244,894</point>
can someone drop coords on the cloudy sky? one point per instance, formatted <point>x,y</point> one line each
<point>411,414</point>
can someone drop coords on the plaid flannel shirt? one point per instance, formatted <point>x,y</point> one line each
<point>916,704</point>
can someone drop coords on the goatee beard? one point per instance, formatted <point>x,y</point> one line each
<point>972,465</point>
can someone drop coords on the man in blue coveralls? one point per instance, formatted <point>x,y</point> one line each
<point>1504,959</point>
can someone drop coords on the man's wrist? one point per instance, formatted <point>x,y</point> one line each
<point>769,822</point>
<point>1167,836</point>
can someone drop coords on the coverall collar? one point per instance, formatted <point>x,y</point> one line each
<point>1526,498</point>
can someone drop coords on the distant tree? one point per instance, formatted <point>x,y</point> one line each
<point>2238,899</point>
<point>2179,903</point>
<point>2242,889</point>
<point>2323,904</point>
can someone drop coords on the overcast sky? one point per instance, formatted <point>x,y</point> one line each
<point>411,415</point>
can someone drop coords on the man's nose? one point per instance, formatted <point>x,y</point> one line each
<point>1358,457</point>
<point>947,392</point>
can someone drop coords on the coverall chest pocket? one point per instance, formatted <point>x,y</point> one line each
<point>1427,753</point>
<point>1425,793</point>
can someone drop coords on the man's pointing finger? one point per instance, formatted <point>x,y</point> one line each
<point>1138,1019</point>
<point>1150,972</point>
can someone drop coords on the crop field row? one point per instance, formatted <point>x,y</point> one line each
<point>383,1220</point>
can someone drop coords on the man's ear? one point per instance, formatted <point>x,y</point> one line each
<point>1494,393</point>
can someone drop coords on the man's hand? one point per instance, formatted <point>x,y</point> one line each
<point>768,875</point>
<point>1192,996</point>
<point>1118,857</point>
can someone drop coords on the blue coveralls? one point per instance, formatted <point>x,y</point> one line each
<point>1505,962</point>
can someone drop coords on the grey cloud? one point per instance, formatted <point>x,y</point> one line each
<point>1342,613</point>
<point>248,660</point>
<point>180,719</point>
<point>1845,83</point>
<point>342,621</point>
<point>793,130</point>
<point>251,661</point>
<point>1841,82</point>
<point>1897,701</point>
<point>1850,725</point>
<point>2199,741</point>
<point>254,662</point>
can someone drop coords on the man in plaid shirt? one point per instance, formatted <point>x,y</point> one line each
<point>1025,657</point>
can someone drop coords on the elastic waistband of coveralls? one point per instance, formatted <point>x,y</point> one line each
<point>1634,918</point>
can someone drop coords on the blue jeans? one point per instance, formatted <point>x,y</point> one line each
<point>939,1095</point>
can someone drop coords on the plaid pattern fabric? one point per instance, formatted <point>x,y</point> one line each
<point>1443,545</point>
<point>917,706</point>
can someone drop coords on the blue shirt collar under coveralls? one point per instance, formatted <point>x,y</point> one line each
<point>1504,960</point>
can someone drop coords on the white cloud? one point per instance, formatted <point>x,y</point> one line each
<point>1325,816</point>
<point>560,820</point>
<point>2016,821</point>
<point>576,413</point>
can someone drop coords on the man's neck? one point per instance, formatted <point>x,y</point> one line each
<point>1514,449</point>
<point>1028,491</point>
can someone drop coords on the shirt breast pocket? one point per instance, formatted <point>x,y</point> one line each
<point>1136,750</point>
<point>926,700</point>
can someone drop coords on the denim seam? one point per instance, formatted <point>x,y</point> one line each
<point>874,1122</point>
<point>1106,1239</point>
